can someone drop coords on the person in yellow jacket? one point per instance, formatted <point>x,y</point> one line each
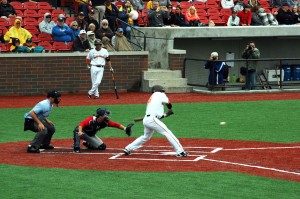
<point>17,32</point>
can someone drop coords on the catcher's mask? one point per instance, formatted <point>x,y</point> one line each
<point>158,88</point>
<point>54,94</point>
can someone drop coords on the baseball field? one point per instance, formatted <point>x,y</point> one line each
<point>255,153</point>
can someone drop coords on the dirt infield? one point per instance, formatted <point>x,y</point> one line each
<point>272,160</point>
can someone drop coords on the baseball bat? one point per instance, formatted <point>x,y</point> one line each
<point>138,119</point>
<point>115,87</point>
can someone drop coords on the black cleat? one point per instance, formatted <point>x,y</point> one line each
<point>182,154</point>
<point>32,149</point>
<point>76,150</point>
<point>127,152</point>
<point>89,96</point>
<point>47,146</point>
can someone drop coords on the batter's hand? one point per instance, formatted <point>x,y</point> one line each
<point>111,70</point>
<point>80,134</point>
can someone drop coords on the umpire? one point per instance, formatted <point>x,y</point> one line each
<point>36,121</point>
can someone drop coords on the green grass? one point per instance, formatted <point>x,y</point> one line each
<point>269,121</point>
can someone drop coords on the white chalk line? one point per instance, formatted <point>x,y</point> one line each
<point>252,166</point>
<point>263,148</point>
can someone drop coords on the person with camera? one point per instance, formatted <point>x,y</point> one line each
<point>250,52</point>
<point>216,72</point>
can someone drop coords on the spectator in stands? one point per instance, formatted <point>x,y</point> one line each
<point>227,4</point>
<point>107,45</point>
<point>138,5</point>
<point>285,16</point>
<point>91,38</point>
<point>104,31</point>
<point>192,17</point>
<point>47,24</point>
<point>111,14</point>
<point>156,15</point>
<point>296,13</point>
<point>7,10</point>
<point>164,2</point>
<point>253,3</point>
<point>277,3</point>
<point>216,72</point>
<point>256,19</point>
<point>179,18</point>
<point>126,16</point>
<point>171,18</point>
<point>293,3</point>
<point>83,6</point>
<point>17,31</point>
<point>251,52</point>
<point>82,24</point>
<point>100,6</point>
<point>90,19</point>
<point>245,16</point>
<point>92,27</point>
<point>239,6</point>
<point>119,41</point>
<point>267,19</point>
<point>81,43</point>
<point>75,30</point>
<point>29,44</point>
<point>61,32</point>
<point>233,20</point>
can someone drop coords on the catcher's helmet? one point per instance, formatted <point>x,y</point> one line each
<point>157,88</point>
<point>98,42</point>
<point>54,94</point>
<point>102,112</point>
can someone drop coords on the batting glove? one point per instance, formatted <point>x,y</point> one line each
<point>111,70</point>
<point>88,66</point>
<point>128,129</point>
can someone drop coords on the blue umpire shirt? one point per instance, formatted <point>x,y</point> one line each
<point>41,109</point>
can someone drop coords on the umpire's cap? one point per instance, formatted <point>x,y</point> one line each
<point>98,42</point>
<point>158,88</point>
<point>102,112</point>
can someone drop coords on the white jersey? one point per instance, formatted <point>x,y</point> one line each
<point>98,57</point>
<point>155,105</point>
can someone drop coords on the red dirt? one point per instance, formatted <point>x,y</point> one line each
<point>281,163</point>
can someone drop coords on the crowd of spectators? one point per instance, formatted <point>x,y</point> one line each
<point>99,20</point>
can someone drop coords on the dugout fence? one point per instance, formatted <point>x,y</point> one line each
<point>276,73</point>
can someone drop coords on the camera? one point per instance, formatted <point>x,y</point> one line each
<point>214,58</point>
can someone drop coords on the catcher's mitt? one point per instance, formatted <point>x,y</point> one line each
<point>128,129</point>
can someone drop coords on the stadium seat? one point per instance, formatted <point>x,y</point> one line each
<point>119,4</point>
<point>265,4</point>
<point>199,5</point>
<point>55,13</point>
<point>69,20</point>
<point>44,6</point>
<point>60,46</point>
<point>3,29</point>
<point>274,10</point>
<point>4,47</point>
<point>45,37</point>
<point>4,22</point>
<point>30,21</point>
<point>31,13</point>
<point>42,12</point>
<point>20,13</point>
<point>217,20</point>
<point>32,29</point>
<point>213,11</point>
<point>201,12</point>
<point>203,19</point>
<point>17,5</point>
<point>211,4</point>
<point>34,38</point>
<point>46,44</point>
<point>30,5</point>
<point>225,19</point>
<point>185,4</point>
<point>224,11</point>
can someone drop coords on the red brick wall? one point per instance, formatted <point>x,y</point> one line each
<point>176,60</point>
<point>36,74</point>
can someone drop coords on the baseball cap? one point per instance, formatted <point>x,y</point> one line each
<point>90,33</point>
<point>247,6</point>
<point>60,19</point>
<point>28,40</point>
<point>82,32</point>
<point>214,54</point>
<point>81,13</point>
<point>120,30</point>
<point>91,12</point>
<point>169,6</point>
<point>285,4</point>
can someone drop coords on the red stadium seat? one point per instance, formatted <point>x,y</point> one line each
<point>35,38</point>
<point>44,6</point>
<point>4,22</point>
<point>201,12</point>
<point>4,47</point>
<point>17,5</point>
<point>20,13</point>
<point>42,12</point>
<point>60,46</point>
<point>217,20</point>
<point>224,11</point>
<point>265,4</point>
<point>31,13</point>
<point>69,20</point>
<point>199,5</point>
<point>45,37</point>
<point>225,19</point>
<point>30,21</point>
<point>30,5</point>
<point>185,4</point>
<point>211,4</point>
<point>55,13</point>
<point>3,30</point>
<point>203,19</point>
<point>213,11</point>
<point>32,29</point>
<point>46,44</point>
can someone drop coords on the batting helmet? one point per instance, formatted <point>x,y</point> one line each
<point>157,88</point>
<point>54,94</point>
<point>98,42</point>
<point>102,112</point>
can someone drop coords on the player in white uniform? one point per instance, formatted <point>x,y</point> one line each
<point>96,59</point>
<point>152,122</point>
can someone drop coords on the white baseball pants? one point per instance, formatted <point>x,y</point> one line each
<point>96,76</point>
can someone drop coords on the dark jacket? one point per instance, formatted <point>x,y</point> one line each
<point>216,72</point>
<point>108,33</point>
<point>170,20</point>
<point>179,20</point>
<point>156,19</point>
<point>89,21</point>
<point>285,17</point>
<point>78,45</point>
<point>98,2</point>
<point>6,9</point>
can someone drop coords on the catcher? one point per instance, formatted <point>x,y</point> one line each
<point>88,128</point>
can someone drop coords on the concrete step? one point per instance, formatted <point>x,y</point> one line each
<point>167,82</point>
<point>161,74</point>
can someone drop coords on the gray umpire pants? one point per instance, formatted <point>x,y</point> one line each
<point>92,140</point>
<point>42,137</point>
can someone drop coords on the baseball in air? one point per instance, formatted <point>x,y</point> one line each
<point>222,123</point>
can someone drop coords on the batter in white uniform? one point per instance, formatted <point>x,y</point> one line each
<point>97,58</point>
<point>152,122</point>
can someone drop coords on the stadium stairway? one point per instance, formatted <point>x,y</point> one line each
<point>171,80</point>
